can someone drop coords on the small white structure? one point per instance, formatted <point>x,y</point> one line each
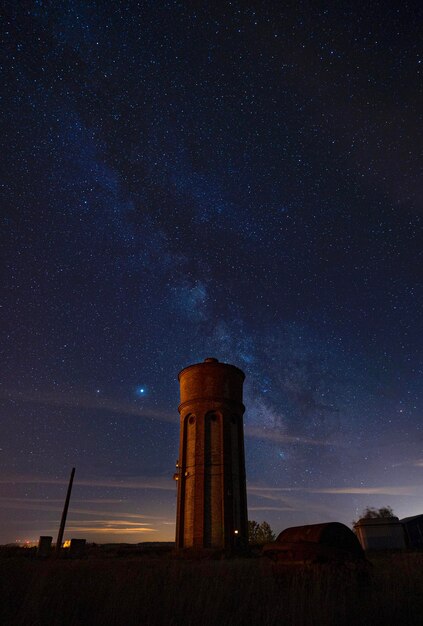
<point>380,533</point>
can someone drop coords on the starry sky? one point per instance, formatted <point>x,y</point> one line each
<point>183,180</point>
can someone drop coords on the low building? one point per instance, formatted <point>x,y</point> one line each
<point>413,528</point>
<point>331,542</point>
<point>380,533</point>
<point>77,548</point>
<point>44,546</point>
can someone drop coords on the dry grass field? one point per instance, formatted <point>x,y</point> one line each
<point>124,589</point>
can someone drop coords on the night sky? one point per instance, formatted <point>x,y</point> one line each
<point>183,180</point>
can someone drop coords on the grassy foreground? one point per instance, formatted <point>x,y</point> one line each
<point>160,590</point>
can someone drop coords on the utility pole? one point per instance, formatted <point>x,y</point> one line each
<point>64,514</point>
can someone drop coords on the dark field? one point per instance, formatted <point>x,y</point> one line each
<point>152,588</point>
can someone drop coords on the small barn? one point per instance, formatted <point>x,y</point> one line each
<point>380,533</point>
<point>315,543</point>
<point>413,528</point>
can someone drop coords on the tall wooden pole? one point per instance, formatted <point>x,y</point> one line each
<point>64,514</point>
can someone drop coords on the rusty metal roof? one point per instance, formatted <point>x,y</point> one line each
<point>332,534</point>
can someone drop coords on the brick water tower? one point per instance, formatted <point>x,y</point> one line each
<point>212,498</point>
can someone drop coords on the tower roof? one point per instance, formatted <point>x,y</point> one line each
<point>212,362</point>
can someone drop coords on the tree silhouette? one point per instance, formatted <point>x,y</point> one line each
<point>372,513</point>
<point>259,534</point>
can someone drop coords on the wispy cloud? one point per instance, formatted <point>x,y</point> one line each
<point>111,531</point>
<point>269,492</point>
<point>43,506</point>
<point>289,500</point>
<point>87,521</point>
<point>109,522</point>
<point>83,400</point>
<point>383,491</point>
<point>272,508</point>
<point>60,500</point>
<point>262,489</point>
<point>164,484</point>
<point>279,437</point>
<point>411,463</point>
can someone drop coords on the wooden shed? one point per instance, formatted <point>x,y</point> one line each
<point>315,543</point>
